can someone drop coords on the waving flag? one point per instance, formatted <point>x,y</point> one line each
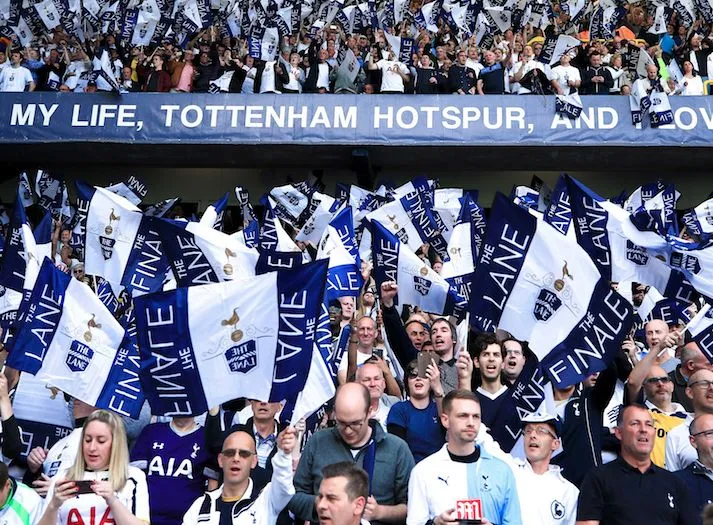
<point>290,201</point>
<point>204,345</point>
<point>198,254</point>
<point>42,415</point>
<point>25,190</point>
<point>132,189</point>
<point>418,284</point>
<point>695,261</point>
<point>699,220</point>
<point>545,289</point>
<point>464,247</point>
<point>120,244</point>
<point>701,330</point>
<point>246,208</point>
<point>621,251</point>
<point>658,214</point>
<point>69,340</point>
<point>338,245</point>
<point>277,249</point>
<point>249,235</point>
<point>53,197</point>
<point>161,208</point>
<point>320,211</point>
<point>213,215</point>
<point>559,212</point>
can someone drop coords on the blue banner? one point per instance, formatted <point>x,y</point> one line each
<point>343,119</point>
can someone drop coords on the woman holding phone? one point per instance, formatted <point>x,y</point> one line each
<point>100,487</point>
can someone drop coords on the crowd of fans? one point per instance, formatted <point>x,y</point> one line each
<point>442,62</point>
<point>416,450</point>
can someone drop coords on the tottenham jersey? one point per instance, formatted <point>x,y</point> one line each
<point>177,467</point>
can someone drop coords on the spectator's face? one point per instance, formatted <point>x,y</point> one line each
<point>626,89</point>
<point>333,504</point>
<point>595,60</point>
<point>498,55</point>
<point>462,421</point>
<point>438,265</point>
<point>656,331</point>
<point>368,89</point>
<point>64,88</point>
<point>442,337</point>
<point>347,307</point>
<point>695,41</point>
<point>462,58</point>
<point>368,299</point>
<point>636,433</point>
<point>490,362</point>
<point>417,334</point>
<point>418,387</point>
<point>489,57</point>
<point>263,411</point>
<point>540,442</point>
<point>236,469</point>
<point>54,56</point>
<point>16,58</point>
<point>66,235</point>
<point>658,387</point>
<point>78,272</point>
<point>701,442</point>
<point>352,418</point>
<point>294,60</point>
<point>188,56</point>
<point>126,73</point>
<point>616,62</point>
<point>96,445</point>
<point>372,377</point>
<point>700,394</point>
<point>440,53</point>
<point>687,67</point>
<point>157,61</point>
<point>425,61</point>
<point>473,53</point>
<point>564,60</point>
<point>527,52</point>
<point>537,49</point>
<point>323,55</point>
<point>652,72</point>
<point>204,59</point>
<point>366,332</point>
<point>3,57</point>
<point>34,54</point>
<point>514,359</point>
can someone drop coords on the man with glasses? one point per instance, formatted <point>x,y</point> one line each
<point>698,476</point>
<point>632,490</point>
<point>546,497</point>
<point>514,359</point>
<point>657,391</point>
<point>386,459</point>
<point>692,360</point>
<point>679,451</point>
<point>236,501</point>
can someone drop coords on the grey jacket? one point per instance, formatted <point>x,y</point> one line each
<point>392,469</point>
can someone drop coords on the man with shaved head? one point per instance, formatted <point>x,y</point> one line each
<point>679,451</point>
<point>692,360</point>
<point>656,331</point>
<point>698,476</point>
<point>357,438</point>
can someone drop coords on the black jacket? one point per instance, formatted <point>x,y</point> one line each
<point>593,88</point>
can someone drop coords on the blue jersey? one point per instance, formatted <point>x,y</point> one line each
<point>177,468</point>
<point>424,434</point>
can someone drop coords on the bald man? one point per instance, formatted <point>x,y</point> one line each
<point>372,376</point>
<point>697,475</point>
<point>656,332</point>
<point>679,450</point>
<point>692,360</point>
<point>386,459</point>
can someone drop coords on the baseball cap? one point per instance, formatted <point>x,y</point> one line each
<point>543,417</point>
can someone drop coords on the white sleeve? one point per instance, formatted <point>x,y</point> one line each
<point>281,488</point>
<point>191,515</point>
<point>418,511</point>
<point>671,460</point>
<point>141,495</point>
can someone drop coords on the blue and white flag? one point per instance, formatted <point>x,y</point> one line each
<point>569,105</point>
<point>464,247</point>
<point>525,197</point>
<point>132,189</point>
<point>161,208</point>
<point>621,251</point>
<point>25,190</point>
<point>447,204</point>
<point>120,244</point>
<point>204,345</point>
<point>42,414</point>
<point>290,201</point>
<point>699,220</point>
<point>642,195</point>
<point>106,295</point>
<point>38,245</point>
<point>338,245</point>
<point>545,289</point>
<point>69,340</point>
<point>320,211</point>
<point>695,261</point>
<point>411,220</point>
<point>53,197</point>
<point>277,249</point>
<point>418,284</point>
<point>198,254</point>
<point>701,330</point>
<point>213,215</point>
<point>559,212</point>
<point>658,214</point>
<point>249,235</point>
<point>244,201</point>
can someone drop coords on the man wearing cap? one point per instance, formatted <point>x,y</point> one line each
<point>546,497</point>
<point>462,473</point>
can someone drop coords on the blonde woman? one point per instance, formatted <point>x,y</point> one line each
<point>100,487</point>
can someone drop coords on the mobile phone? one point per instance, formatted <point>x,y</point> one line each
<point>378,352</point>
<point>84,486</point>
<point>424,359</point>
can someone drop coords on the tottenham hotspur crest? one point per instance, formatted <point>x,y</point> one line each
<point>422,284</point>
<point>107,242</point>
<point>548,300</point>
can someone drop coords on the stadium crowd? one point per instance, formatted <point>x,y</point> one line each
<point>632,444</point>
<point>399,53</point>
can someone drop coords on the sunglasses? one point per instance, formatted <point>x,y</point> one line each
<point>245,454</point>
<point>652,380</point>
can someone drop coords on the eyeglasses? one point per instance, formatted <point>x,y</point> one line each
<point>354,425</point>
<point>703,384</point>
<point>513,351</point>
<point>663,380</point>
<point>245,454</point>
<point>542,431</point>
<point>708,434</point>
<point>412,374</point>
